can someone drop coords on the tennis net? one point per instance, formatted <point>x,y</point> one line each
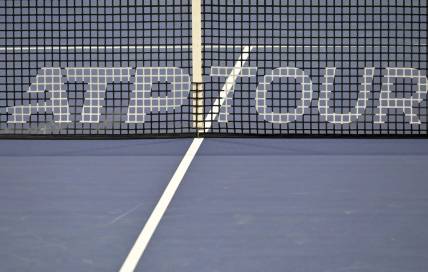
<point>137,68</point>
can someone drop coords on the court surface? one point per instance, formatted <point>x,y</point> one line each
<point>243,205</point>
<point>226,68</point>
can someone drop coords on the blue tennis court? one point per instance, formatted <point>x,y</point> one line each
<point>243,205</point>
<point>201,135</point>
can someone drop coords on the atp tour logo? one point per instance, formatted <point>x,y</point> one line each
<point>142,101</point>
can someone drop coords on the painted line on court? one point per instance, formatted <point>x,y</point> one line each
<point>149,228</point>
<point>185,46</point>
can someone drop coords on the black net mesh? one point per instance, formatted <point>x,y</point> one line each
<point>271,68</point>
<point>108,40</point>
<point>341,49</point>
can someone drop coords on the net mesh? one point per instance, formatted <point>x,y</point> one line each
<point>270,68</point>
<point>99,52</point>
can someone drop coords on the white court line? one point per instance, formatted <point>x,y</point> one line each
<point>149,228</point>
<point>230,81</point>
<point>146,234</point>
<point>94,47</point>
<point>177,47</point>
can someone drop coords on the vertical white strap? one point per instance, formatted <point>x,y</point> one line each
<point>197,80</point>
